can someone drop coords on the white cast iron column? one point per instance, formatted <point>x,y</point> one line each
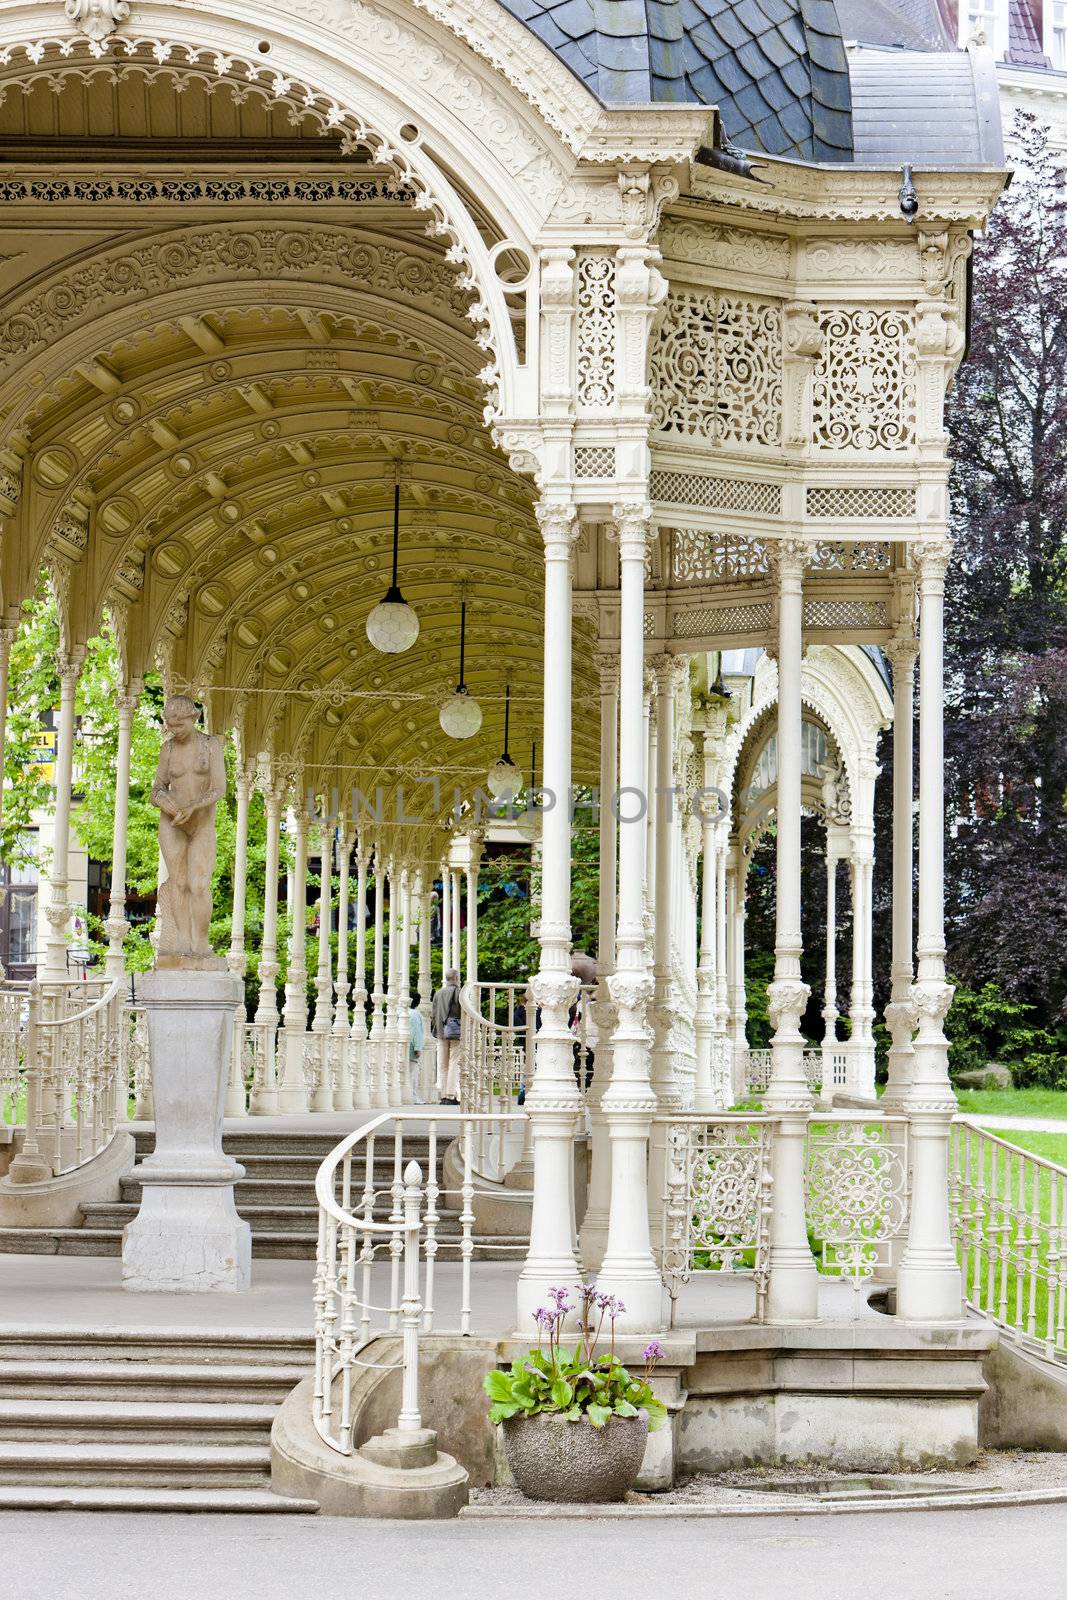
<point>264,1101</point>
<point>671,672</point>
<point>361,1095</point>
<point>244,776</point>
<point>376,1055</point>
<point>722,1005</point>
<point>594,1233</point>
<point>900,1012</point>
<point>392,1094</point>
<point>736,876</point>
<point>457,921</point>
<point>292,1089</point>
<point>473,861</point>
<point>342,1089</point>
<point>446,920</point>
<point>552,1101</point>
<point>861,1010</point>
<point>629,1269</point>
<point>403,993</point>
<point>54,968</point>
<point>423,893</point>
<point>128,700</point>
<point>929,1286</point>
<point>792,1293</point>
<point>704,1090</point>
<point>829,1008</point>
<point>322,1096</point>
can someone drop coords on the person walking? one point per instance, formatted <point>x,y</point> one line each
<point>444,1025</point>
<point>416,1040</point>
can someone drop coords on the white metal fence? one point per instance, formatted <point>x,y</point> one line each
<point>716,1202</point>
<point>1009,1212</point>
<point>758,1070</point>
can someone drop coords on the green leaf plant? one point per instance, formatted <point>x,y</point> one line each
<point>583,1383</point>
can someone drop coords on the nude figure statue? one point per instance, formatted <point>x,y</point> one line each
<point>190,781</point>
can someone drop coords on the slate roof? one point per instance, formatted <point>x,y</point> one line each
<point>777,70</point>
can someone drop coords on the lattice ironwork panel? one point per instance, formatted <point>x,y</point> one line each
<point>856,1180</point>
<point>706,493</point>
<point>717,368</point>
<point>698,557</point>
<point>703,620</point>
<point>594,461</point>
<point>848,615</point>
<point>717,1201</point>
<point>596,330</point>
<point>846,555</point>
<point>863,386</point>
<point>852,500</point>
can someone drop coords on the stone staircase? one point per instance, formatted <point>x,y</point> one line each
<point>163,1421</point>
<point>276,1196</point>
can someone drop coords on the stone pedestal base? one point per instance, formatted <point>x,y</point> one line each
<point>187,1237</point>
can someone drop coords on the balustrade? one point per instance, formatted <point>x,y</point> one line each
<point>74,1077</point>
<point>715,1208</point>
<point>377,1253</point>
<point>1009,1220</point>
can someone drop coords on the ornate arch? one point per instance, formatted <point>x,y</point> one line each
<point>402,90</point>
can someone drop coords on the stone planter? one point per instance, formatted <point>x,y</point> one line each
<point>572,1462</point>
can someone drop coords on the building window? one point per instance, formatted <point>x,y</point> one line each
<point>989,17</point>
<point>1055,42</point>
<point>18,912</point>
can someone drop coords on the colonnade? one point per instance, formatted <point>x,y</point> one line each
<point>639,980</point>
<point>354,1055</point>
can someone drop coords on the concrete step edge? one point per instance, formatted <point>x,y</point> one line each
<point>32,1497</point>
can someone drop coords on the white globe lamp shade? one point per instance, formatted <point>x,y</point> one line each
<point>392,626</point>
<point>460,716</point>
<point>504,780</point>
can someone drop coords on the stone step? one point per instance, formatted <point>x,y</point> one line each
<point>307,1146</point>
<point>45,1497</point>
<point>135,1421</point>
<point>268,1245</point>
<point>232,1350</point>
<point>288,1217</point>
<point>138,1465</point>
<point>142,1381</point>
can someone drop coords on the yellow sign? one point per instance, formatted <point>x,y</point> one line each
<point>43,754</point>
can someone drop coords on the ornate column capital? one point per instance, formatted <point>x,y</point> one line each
<point>608,668</point>
<point>69,664</point>
<point>560,528</point>
<point>631,527</point>
<point>803,331</point>
<point>788,558</point>
<point>902,651</point>
<point>128,698</point>
<point>930,558</point>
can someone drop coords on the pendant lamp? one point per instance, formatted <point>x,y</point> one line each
<point>504,778</point>
<point>460,716</point>
<point>393,626</point>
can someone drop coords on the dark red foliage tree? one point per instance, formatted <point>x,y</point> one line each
<point>1006,611</point>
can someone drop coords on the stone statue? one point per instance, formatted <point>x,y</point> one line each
<point>190,780</point>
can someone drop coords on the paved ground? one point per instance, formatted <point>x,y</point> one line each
<point>87,1292</point>
<point>1027,1124</point>
<point>1010,1554</point>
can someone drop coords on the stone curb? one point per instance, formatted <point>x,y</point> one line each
<point>786,1507</point>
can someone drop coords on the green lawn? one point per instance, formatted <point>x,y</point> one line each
<point>1050,1146</point>
<point>1014,1102</point>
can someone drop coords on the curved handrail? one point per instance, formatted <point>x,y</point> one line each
<point>115,987</point>
<point>75,1071</point>
<point>347,1243</point>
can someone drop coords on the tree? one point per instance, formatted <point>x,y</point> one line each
<point>1006,610</point>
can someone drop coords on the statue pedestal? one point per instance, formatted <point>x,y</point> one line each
<point>187,1237</point>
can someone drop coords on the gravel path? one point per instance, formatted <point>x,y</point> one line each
<point>1003,1471</point>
